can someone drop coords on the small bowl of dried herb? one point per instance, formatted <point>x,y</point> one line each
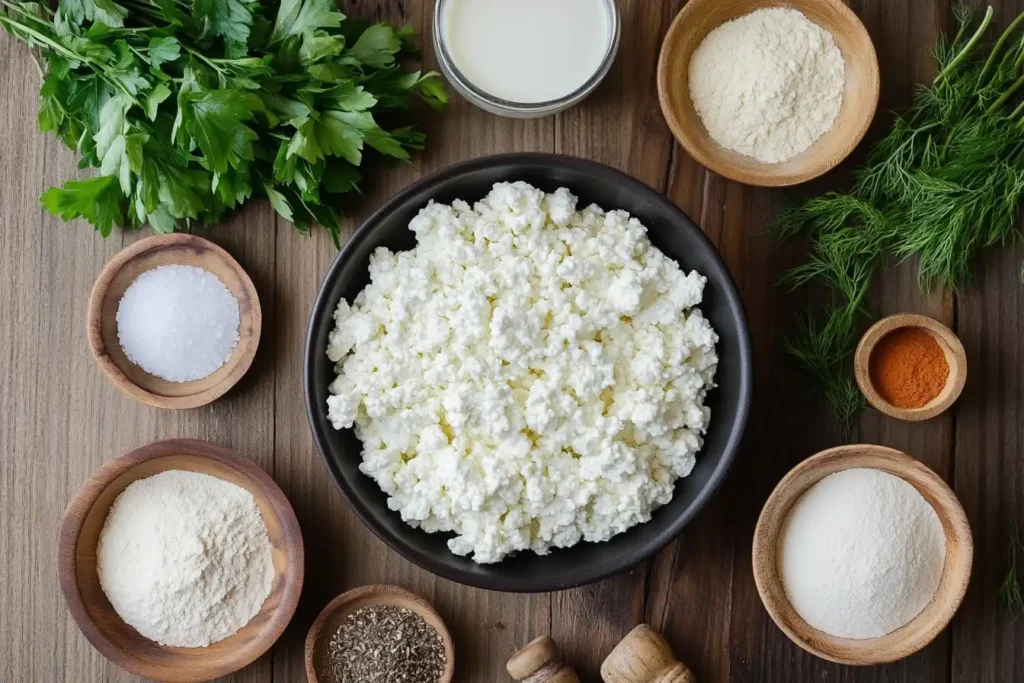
<point>910,367</point>
<point>379,632</point>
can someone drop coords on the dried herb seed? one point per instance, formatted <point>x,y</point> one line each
<point>386,644</point>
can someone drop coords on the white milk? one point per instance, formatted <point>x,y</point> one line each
<point>527,51</point>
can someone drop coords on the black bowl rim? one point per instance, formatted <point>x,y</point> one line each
<point>729,291</point>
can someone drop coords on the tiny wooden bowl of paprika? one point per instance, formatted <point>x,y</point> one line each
<point>952,350</point>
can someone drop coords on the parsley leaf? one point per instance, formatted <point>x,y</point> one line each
<point>163,50</point>
<point>106,12</point>
<point>228,18</point>
<point>98,200</point>
<point>215,120</point>
<point>377,46</point>
<point>111,146</point>
<point>298,17</point>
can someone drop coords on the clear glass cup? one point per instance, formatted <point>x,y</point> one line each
<point>523,110</point>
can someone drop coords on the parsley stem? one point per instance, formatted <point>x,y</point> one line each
<point>57,47</point>
<point>210,62</point>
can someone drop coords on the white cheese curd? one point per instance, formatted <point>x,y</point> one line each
<point>529,376</point>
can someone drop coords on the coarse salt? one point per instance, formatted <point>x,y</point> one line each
<point>177,322</point>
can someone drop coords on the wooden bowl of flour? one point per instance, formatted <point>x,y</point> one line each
<point>920,630</point>
<point>860,96</point>
<point>89,607</point>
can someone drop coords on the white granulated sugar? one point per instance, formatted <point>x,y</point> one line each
<point>529,376</point>
<point>768,84</point>
<point>185,558</point>
<point>179,323</point>
<point>861,554</point>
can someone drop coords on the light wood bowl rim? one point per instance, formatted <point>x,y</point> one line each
<point>365,595</point>
<point>262,485</point>
<point>956,573</point>
<point>951,345</point>
<point>688,130</point>
<point>236,366</point>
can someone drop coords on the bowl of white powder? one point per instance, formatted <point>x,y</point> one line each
<point>862,555</point>
<point>174,321</point>
<point>180,560</point>
<point>527,372</point>
<point>766,94</point>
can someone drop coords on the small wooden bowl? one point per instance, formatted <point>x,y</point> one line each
<point>120,643</point>
<point>921,630</point>
<point>951,347</point>
<point>860,98</point>
<point>121,272</point>
<point>337,610</point>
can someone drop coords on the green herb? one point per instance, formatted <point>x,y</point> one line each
<point>190,107</point>
<point>945,182</point>
<point>1011,594</point>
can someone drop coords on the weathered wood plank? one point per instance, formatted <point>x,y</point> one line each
<point>987,641</point>
<point>723,630</point>
<point>341,552</point>
<point>620,125</point>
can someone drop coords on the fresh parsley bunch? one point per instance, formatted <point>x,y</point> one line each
<point>190,107</point>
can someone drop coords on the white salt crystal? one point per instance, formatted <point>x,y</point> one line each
<point>179,323</point>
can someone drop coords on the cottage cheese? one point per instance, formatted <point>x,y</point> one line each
<point>529,376</point>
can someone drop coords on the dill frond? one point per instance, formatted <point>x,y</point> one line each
<point>1011,594</point>
<point>945,183</point>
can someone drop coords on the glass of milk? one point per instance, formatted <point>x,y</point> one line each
<point>525,58</point>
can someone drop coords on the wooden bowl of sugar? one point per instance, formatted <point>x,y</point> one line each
<point>89,606</point>
<point>860,95</point>
<point>102,326</point>
<point>921,629</point>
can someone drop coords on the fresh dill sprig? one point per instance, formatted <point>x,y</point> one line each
<point>946,182</point>
<point>1011,594</point>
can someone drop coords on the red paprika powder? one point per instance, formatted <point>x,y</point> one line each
<point>908,368</point>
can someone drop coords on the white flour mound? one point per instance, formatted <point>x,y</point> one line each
<point>768,84</point>
<point>861,554</point>
<point>185,558</point>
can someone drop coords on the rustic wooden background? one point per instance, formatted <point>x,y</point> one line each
<point>59,419</point>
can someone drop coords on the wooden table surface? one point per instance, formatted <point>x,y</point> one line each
<point>60,419</point>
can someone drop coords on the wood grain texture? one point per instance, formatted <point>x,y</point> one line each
<point>540,661</point>
<point>77,544</point>
<point>492,625</point>
<point>644,656</point>
<point>61,419</point>
<point>619,125</point>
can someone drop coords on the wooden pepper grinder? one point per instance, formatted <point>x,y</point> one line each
<point>643,656</point>
<point>540,662</point>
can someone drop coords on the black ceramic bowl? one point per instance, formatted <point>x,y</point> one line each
<point>673,233</point>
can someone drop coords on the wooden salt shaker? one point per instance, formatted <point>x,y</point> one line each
<point>540,662</point>
<point>643,656</point>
